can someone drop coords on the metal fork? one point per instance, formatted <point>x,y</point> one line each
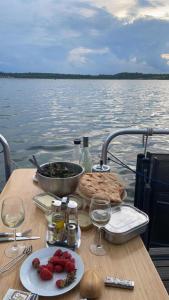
<point>24,233</point>
<point>13,262</point>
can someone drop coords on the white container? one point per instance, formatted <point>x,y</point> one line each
<point>125,223</point>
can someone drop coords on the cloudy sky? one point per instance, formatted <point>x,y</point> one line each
<point>84,36</point>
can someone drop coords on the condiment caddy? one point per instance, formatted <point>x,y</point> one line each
<point>63,229</point>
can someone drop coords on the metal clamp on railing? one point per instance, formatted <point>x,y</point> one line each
<point>145,132</point>
<point>7,156</point>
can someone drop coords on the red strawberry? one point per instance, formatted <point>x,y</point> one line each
<point>54,260</point>
<point>50,267</point>
<point>72,260</point>
<point>58,268</point>
<point>58,252</point>
<point>41,267</point>
<point>62,262</point>
<point>36,263</point>
<point>66,254</point>
<point>45,274</point>
<point>69,267</point>
<point>60,283</point>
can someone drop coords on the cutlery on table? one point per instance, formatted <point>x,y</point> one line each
<point>18,234</point>
<point>19,238</point>
<point>12,262</point>
<point>33,160</point>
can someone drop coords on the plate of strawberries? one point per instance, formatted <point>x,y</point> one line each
<point>51,271</point>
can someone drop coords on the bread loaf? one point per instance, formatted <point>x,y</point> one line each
<point>106,185</point>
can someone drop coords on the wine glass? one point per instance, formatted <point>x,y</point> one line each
<point>100,213</point>
<point>13,215</point>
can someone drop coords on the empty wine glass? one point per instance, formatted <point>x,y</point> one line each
<point>100,213</point>
<point>13,215</point>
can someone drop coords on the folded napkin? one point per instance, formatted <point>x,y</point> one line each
<point>19,295</point>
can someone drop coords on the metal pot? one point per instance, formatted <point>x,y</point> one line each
<point>57,185</point>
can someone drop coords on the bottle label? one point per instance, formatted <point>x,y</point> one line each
<point>58,221</point>
<point>59,224</point>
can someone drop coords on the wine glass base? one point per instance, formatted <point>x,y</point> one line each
<point>97,250</point>
<point>13,251</point>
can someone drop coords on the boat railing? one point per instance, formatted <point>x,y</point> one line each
<point>129,131</point>
<point>7,156</point>
<point>151,189</point>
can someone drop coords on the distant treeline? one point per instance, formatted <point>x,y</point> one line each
<point>124,75</point>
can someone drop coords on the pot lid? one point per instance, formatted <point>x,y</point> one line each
<point>125,218</point>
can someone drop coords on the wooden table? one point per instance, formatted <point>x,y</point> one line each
<point>129,261</point>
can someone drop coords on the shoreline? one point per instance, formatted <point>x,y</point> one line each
<point>119,76</point>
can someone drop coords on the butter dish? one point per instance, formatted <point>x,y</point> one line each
<point>44,200</point>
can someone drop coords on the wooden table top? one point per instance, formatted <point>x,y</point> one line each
<point>128,261</point>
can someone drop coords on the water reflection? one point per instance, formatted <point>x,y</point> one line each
<point>42,117</point>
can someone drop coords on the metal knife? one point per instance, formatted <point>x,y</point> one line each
<point>6,234</point>
<point>18,234</point>
<point>19,238</point>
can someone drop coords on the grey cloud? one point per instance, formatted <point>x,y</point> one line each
<point>45,32</point>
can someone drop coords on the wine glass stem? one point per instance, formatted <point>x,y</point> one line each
<point>15,243</point>
<point>99,239</point>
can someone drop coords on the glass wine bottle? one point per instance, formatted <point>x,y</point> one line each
<point>76,151</point>
<point>86,161</point>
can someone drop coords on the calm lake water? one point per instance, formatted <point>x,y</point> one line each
<point>42,117</point>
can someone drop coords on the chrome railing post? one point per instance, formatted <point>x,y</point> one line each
<point>7,157</point>
<point>146,131</point>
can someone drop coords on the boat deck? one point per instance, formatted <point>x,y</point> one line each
<point>160,258</point>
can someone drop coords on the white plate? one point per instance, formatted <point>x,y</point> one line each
<point>32,282</point>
